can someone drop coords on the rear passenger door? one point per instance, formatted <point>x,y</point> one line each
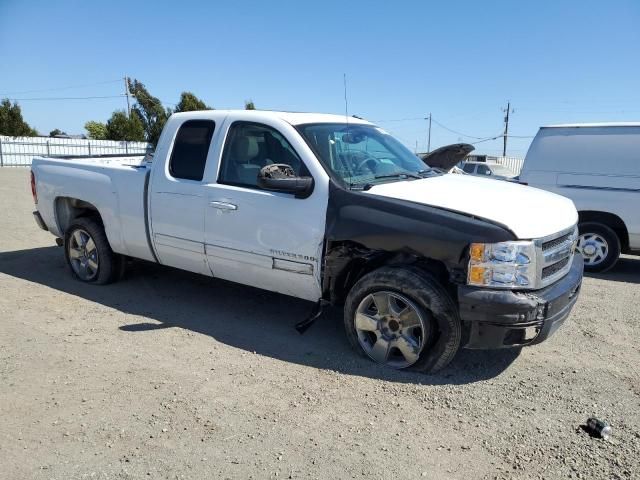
<point>176,200</point>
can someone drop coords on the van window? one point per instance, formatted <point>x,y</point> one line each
<point>190,149</point>
<point>483,170</point>
<point>469,167</point>
<point>251,146</point>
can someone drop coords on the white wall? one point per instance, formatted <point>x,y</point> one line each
<point>16,151</point>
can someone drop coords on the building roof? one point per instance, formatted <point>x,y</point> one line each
<point>602,124</point>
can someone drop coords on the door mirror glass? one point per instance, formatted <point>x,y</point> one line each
<point>280,177</point>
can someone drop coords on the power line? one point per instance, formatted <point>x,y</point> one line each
<point>456,132</point>
<point>398,120</point>
<point>486,139</point>
<point>64,98</point>
<point>60,88</point>
<point>409,119</point>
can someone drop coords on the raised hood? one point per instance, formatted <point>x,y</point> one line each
<point>528,212</point>
<point>446,157</point>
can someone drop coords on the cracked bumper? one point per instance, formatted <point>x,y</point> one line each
<point>504,318</point>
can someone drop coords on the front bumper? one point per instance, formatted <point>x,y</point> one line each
<point>504,318</point>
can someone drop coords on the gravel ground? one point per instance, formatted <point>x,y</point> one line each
<point>172,375</point>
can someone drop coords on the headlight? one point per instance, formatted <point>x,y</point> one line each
<point>502,265</point>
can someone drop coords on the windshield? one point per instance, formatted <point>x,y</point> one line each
<point>362,155</point>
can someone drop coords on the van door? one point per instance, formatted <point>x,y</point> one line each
<point>177,199</point>
<point>266,239</point>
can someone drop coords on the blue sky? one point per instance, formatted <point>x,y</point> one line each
<point>556,61</point>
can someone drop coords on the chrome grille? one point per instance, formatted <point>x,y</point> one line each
<point>556,267</point>
<point>555,254</point>
<point>555,242</point>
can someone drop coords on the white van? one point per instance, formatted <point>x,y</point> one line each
<point>597,165</point>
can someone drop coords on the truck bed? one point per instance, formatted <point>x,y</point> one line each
<point>114,185</point>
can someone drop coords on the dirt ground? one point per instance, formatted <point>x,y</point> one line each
<point>172,375</point>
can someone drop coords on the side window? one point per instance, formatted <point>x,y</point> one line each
<point>251,146</point>
<point>190,149</point>
<point>468,167</point>
<point>483,170</point>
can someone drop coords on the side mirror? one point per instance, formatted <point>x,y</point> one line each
<point>280,177</point>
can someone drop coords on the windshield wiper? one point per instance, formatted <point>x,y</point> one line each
<point>398,175</point>
<point>368,185</point>
<point>360,186</point>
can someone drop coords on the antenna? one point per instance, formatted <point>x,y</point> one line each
<point>346,102</point>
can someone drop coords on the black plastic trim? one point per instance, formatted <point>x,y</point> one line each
<point>361,225</point>
<point>499,318</point>
<point>145,202</point>
<point>40,221</point>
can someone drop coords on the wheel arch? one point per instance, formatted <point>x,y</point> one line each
<point>611,220</point>
<point>67,209</point>
<point>348,262</point>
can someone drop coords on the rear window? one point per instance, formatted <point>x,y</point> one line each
<point>189,155</point>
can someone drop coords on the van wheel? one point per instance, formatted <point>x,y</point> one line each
<point>599,246</point>
<point>89,255</point>
<point>402,317</point>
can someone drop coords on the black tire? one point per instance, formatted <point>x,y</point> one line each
<point>427,294</point>
<point>110,264</point>
<point>613,246</point>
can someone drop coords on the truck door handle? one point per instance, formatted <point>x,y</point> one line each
<point>223,206</point>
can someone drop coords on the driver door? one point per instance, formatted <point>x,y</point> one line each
<point>266,239</point>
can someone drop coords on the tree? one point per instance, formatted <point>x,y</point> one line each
<point>120,127</point>
<point>149,111</point>
<point>189,103</point>
<point>249,105</point>
<point>96,130</point>
<point>55,132</point>
<point>11,121</point>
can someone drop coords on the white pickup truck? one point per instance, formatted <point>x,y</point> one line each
<point>328,209</point>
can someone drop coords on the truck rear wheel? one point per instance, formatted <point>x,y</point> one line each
<point>599,246</point>
<point>89,255</point>
<point>402,317</point>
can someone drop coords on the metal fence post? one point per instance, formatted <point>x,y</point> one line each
<point>89,146</point>
<point>1,157</point>
<point>48,151</point>
<point>126,148</point>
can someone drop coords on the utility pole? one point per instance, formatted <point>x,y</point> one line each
<point>126,93</point>
<point>429,133</point>
<point>506,129</point>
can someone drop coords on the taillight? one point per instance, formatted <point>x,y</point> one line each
<point>33,188</point>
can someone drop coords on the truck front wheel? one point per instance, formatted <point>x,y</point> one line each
<point>88,253</point>
<point>402,317</point>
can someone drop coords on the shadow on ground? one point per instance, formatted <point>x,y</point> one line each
<point>626,270</point>
<point>243,317</point>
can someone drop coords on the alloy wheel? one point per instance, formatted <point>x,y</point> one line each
<point>391,329</point>
<point>83,255</point>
